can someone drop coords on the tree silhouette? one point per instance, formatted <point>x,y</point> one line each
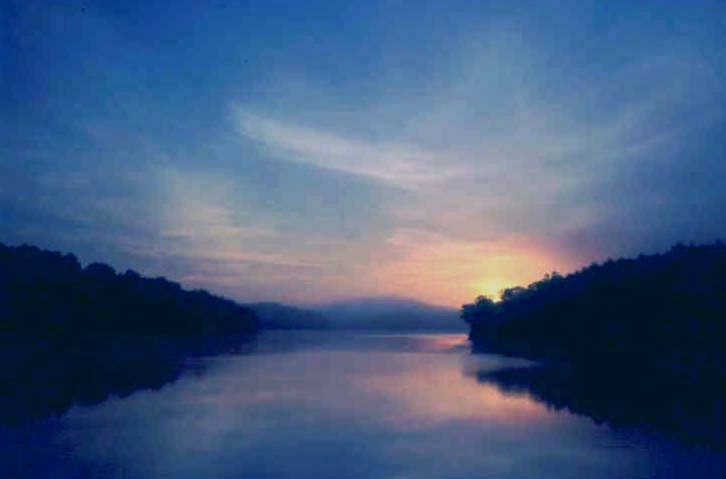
<point>665,311</point>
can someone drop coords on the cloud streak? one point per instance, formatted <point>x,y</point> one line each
<point>395,163</point>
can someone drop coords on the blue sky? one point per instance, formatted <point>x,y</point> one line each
<point>313,151</point>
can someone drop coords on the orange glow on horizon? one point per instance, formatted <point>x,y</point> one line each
<point>439,270</point>
<point>492,288</point>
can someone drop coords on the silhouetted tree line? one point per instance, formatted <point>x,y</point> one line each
<point>72,335</point>
<point>663,312</point>
<point>48,293</point>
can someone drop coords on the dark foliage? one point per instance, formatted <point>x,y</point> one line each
<point>47,293</point>
<point>665,313</point>
<point>71,335</point>
<point>632,343</point>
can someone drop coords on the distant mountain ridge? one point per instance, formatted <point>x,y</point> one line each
<point>390,313</point>
<point>372,313</point>
<point>271,315</point>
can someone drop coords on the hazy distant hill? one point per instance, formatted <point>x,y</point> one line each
<point>281,316</point>
<point>379,313</point>
<point>385,313</point>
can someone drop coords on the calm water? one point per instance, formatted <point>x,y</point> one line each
<point>338,405</point>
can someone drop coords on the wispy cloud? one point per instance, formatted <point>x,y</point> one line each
<point>396,163</point>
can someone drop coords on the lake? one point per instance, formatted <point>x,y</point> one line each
<point>341,405</point>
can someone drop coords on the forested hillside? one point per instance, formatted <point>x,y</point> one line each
<point>45,292</point>
<point>667,311</point>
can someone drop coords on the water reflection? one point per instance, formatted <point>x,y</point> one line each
<point>45,377</point>
<point>326,405</point>
<point>691,412</point>
<point>426,394</point>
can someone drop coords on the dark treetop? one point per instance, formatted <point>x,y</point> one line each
<point>78,335</point>
<point>48,293</point>
<point>667,311</point>
<point>633,342</point>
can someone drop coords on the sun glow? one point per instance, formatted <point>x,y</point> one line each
<point>492,288</point>
<point>452,272</point>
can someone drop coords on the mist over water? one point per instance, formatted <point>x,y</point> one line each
<point>341,405</point>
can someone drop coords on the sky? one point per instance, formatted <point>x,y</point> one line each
<point>306,152</point>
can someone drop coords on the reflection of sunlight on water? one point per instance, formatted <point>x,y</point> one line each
<point>402,390</point>
<point>429,342</point>
<point>436,391</point>
<point>333,406</point>
<point>447,342</point>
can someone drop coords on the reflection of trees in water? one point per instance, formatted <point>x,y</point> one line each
<point>45,377</point>
<point>690,410</point>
